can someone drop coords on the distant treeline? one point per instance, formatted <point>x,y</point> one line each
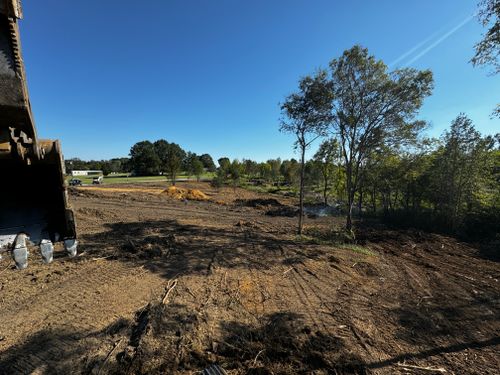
<point>150,159</point>
<point>116,165</point>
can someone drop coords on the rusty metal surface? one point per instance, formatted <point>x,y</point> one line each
<point>11,8</point>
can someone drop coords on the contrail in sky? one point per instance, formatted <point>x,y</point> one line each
<point>415,48</point>
<point>432,45</point>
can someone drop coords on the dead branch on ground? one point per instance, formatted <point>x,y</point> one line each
<point>413,367</point>
<point>170,286</point>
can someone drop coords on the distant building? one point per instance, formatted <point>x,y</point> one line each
<point>85,173</point>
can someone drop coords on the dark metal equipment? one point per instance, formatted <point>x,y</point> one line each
<point>33,198</point>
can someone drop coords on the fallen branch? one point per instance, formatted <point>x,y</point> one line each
<point>6,268</point>
<point>434,369</point>
<point>171,285</point>
<point>257,356</point>
<point>109,355</point>
<point>288,270</point>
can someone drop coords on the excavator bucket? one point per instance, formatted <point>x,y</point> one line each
<point>33,198</point>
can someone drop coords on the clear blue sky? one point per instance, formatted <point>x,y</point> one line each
<point>209,74</point>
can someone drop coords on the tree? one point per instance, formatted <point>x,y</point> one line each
<point>197,169</point>
<point>222,172</point>
<point>265,171</point>
<point>224,163</point>
<point>325,156</point>
<point>208,162</point>
<point>74,164</point>
<point>120,165</point>
<point>304,115</point>
<point>106,167</point>
<point>235,170</point>
<point>144,160</point>
<point>171,156</point>
<point>488,49</point>
<point>188,163</point>
<point>460,170</point>
<point>161,149</point>
<point>289,170</point>
<point>194,166</point>
<point>250,168</point>
<point>275,169</point>
<point>372,108</point>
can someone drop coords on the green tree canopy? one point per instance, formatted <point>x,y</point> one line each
<point>144,160</point>
<point>372,108</point>
<point>208,162</point>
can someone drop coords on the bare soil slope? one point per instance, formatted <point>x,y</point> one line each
<point>245,293</point>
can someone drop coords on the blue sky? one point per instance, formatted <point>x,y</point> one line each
<point>209,74</point>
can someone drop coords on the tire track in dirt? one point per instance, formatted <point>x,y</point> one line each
<point>166,207</point>
<point>306,302</point>
<point>74,306</point>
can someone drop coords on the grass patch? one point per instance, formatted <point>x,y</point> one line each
<point>271,189</point>
<point>357,249</point>
<point>337,238</point>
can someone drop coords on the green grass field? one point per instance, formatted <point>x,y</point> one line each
<point>124,178</point>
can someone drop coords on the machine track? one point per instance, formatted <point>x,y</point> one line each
<point>70,311</point>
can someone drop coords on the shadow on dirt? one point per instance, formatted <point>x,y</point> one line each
<point>171,249</point>
<point>490,250</point>
<point>279,343</point>
<point>62,351</point>
<point>495,341</point>
<point>463,321</point>
<point>283,344</point>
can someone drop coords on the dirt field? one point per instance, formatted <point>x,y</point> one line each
<point>245,293</point>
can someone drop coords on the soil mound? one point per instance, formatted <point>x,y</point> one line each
<point>189,194</point>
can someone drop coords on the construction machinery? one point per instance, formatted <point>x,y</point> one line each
<point>34,207</point>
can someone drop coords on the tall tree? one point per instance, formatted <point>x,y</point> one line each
<point>371,108</point>
<point>459,170</point>
<point>208,162</point>
<point>171,156</point>
<point>305,116</point>
<point>144,159</point>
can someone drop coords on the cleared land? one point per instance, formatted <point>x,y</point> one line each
<point>241,290</point>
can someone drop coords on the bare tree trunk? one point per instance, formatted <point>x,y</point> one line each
<point>350,203</point>
<point>360,201</point>
<point>350,197</point>
<point>301,194</point>
<point>374,201</point>
<point>325,191</point>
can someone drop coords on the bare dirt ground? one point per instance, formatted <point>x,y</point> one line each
<point>245,293</point>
